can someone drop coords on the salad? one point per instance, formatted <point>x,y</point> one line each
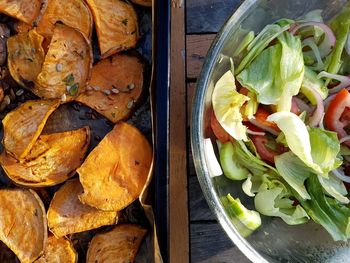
<point>281,117</point>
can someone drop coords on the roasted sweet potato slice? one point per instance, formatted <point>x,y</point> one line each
<point>119,245</point>
<point>58,250</point>
<point>73,13</point>
<point>23,126</point>
<point>115,172</point>
<point>52,159</point>
<point>68,215</point>
<point>67,65</point>
<point>23,226</point>
<point>116,25</point>
<point>143,2</point>
<point>25,57</point>
<point>21,27</point>
<point>115,86</point>
<point>24,11</point>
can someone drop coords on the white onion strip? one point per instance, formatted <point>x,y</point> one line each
<point>263,127</point>
<point>344,81</point>
<point>321,122</point>
<point>344,139</point>
<point>329,41</point>
<point>255,133</point>
<point>212,162</point>
<point>338,173</point>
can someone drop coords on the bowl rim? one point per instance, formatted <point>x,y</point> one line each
<point>197,136</point>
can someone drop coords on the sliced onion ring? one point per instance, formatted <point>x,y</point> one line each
<point>263,127</point>
<point>213,163</point>
<point>329,41</point>
<point>344,81</point>
<point>340,174</point>
<point>344,139</point>
<point>255,133</point>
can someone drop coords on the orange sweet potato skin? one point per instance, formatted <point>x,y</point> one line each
<point>73,13</point>
<point>115,87</point>
<point>115,172</point>
<point>143,2</point>
<point>21,10</point>
<point>67,215</point>
<point>120,243</point>
<point>116,25</point>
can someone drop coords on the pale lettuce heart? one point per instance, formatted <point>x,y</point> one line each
<point>227,103</point>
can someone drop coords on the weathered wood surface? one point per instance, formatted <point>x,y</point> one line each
<point>197,48</point>
<point>205,240</point>
<point>178,196</point>
<point>208,16</point>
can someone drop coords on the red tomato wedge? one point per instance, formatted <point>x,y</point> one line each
<point>261,117</point>
<point>337,116</point>
<point>217,129</point>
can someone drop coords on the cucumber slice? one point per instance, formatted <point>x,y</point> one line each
<point>249,219</point>
<point>231,168</point>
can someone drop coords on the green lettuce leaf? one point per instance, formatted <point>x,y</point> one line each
<point>277,73</point>
<point>294,172</point>
<point>260,42</point>
<point>334,187</point>
<point>317,148</point>
<point>276,201</point>
<point>325,148</point>
<point>329,213</point>
<point>311,82</point>
<point>340,26</point>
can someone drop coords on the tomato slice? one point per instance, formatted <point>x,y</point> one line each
<point>261,116</point>
<point>264,152</point>
<point>217,129</point>
<point>337,116</point>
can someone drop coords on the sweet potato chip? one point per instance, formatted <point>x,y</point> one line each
<point>116,25</point>
<point>115,172</point>
<point>23,126</point>
<point>58,250</point>
<point>23,226</point>
<point>68,215</point>
<point>119,245</point>
<point>67,65</point>
<point>115,86</point>
<point>73,13</point>
<point>25,57</point>
<point>21,27</point>
<point>143,2</point>
<point>52,159</point>
<point>24,11</point>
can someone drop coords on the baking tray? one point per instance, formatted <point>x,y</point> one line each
<point>161,124</point>
<point>76,115</point>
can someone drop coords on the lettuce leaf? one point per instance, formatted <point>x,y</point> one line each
<point>333,216</point>
<point>227,103</point>
<point>334,187</point>
<point>275,201</point>
<point>277,73</point>
<point>317,148</point>
<point>340,26</point>
<point>294,172</point>
<point>260,42</point>
<point>311,82</point>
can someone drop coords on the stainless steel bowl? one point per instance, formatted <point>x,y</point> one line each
<point>274,241</point>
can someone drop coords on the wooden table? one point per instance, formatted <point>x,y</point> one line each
<point>195,236</point>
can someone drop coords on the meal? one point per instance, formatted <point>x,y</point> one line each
<point>281,119</point>
<point>69,180</point>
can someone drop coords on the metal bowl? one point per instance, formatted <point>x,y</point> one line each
<point>274,241</point>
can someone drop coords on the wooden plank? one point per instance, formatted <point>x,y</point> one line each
<point>178,198</point>
<point>199,209</point>
<point>209,243</point>
<point>208,16</point>
<point>197,47</point>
